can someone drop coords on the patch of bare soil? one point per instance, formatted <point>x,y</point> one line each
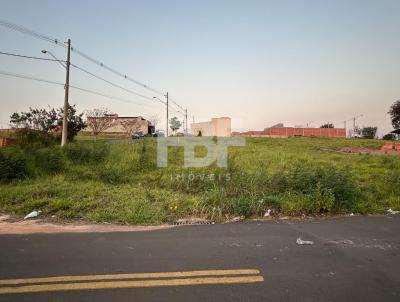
<point>15,225</point>
<point>370,151</point>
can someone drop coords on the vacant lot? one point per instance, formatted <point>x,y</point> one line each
<point>120,182</point>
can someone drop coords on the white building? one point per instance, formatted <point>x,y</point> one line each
<point>220,126</point>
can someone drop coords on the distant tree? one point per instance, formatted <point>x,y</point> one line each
<point>174,124</point>
<point>395,114</point>
<point>389,137</point>
<point>98,120</point>
<point>369,132</point>
<point>328,125</point>
<point>154,120</point>
<point>48,120</point>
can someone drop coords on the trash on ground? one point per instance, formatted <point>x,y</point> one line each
<point>237,219</point>
<point>393,212</point>
<point>299,241</point>
<point>347,241</point>
<point>267,213</point>
<point>235,244</point>
<point>33,214</point>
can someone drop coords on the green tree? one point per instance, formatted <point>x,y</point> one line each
<point>75,121</point>
<point>395,114</point>
<point>389,137</point>
<point>174,124</point>
<point>48,120</point>
<point>369,132</point>
<point>328,125</point>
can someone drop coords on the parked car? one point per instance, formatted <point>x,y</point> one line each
<point>158,134</point>
<point>137,135</point>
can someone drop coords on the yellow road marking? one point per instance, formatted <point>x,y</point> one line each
<point>131,276</point>
<point>127,284</point>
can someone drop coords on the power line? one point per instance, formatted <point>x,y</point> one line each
<point>126,77</point>
<point>27,31</point>
<point>116,85</point>
<point>55,41</point>
<point>179,106</point>
<point>15,75</point>
<point>108,96</point>
<point>28,57</point>
<point>32,33</point>
<point>84,70</point>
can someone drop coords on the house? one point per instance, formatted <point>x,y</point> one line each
<point>220,126</point>
<point>126,125</point>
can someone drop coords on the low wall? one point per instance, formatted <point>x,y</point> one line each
<point>289,132</point>
<point>4,141</point>
<point>391,146</point>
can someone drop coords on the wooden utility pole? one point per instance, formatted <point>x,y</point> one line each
<point>186,122</point>
<point>167,114</point>
<point>64,133</point>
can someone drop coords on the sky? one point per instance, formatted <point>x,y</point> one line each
<point>258,62</point>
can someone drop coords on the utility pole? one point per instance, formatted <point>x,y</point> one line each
<point>64,132</point>
<point>354,123</point>
<point>167,113</point>
<point>186,124</point>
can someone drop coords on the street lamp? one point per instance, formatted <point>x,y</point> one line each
<point>54,57</point>
<point>64,132</point>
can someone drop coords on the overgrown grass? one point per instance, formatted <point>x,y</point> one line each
<point>121,182</point>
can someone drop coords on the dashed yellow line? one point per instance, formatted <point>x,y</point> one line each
<point>131,276</point>
<point>210,277</point>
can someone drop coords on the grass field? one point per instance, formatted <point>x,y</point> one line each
<point>120,182</point>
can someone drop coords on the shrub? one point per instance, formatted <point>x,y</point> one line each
<point>13,164</point>
<point>49,160</point>
<point>29,137</point>
<point>389,137</point>
<point>309,179</point>
<point>86,153</point>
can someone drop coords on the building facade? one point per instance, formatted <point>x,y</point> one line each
<point>125,124</point>
<point>220,126</point>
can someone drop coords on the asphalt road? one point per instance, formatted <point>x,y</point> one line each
<point>352,259</point>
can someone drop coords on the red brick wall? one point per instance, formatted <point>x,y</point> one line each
<point>6,141</point>
<point>319,132</point>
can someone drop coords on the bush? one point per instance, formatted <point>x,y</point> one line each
<point>49,160</point>
<point>322,181</point>
<point>86,153</point>
<point>29,137</point>
<point>13,164</point>
<point>389,137</point>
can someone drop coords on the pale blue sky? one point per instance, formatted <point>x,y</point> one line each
<point>260,62</point>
